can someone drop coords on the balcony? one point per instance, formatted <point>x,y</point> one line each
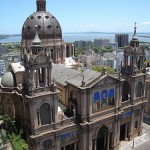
<point>54,126</point>
<point>125,103</point>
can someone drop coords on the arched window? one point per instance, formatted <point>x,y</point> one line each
<point>111,97</point>
<point>125,91</point>
<point>73,102</point>
<point>45,114</point>
<point>96,103</point>
<point>139,89</point>
<point>73,95</point>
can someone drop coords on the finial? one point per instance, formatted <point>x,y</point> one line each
<point>36,40</point>
<point>41,5</point>
<point>135,29</point>
<point>104,70</point>
<point>83,82</point>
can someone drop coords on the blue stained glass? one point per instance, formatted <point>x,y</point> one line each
<point>111,93</point>
<point>104,94</point>
<point>97,96</point>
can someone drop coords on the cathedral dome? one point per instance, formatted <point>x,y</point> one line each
<point>7,80</point>
<point>48,26</point>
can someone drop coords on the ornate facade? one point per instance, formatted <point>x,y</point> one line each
<point>65,109</point>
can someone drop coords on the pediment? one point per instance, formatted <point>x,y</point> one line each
<point>106,80</point>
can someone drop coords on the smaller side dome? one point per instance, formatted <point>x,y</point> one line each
<point>7,80</point>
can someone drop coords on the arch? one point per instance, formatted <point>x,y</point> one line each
<point>104,96</point>
<point>73,102</point>
<point>45,114</point>
<point>96,100</point>
<point>102,138</point>
<point>125,91</point>
<point>96,96</point>
<point>111,97</point>
<point>73,95</point>
<point>139,89</point>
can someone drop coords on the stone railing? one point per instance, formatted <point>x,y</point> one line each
<point>125,103</point>
<point>54,126</point>
<point>139,99</point>
<point>103,113</point>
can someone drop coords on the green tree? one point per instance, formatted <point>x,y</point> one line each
<point>109,69</point>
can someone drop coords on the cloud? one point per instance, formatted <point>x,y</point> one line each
<point>146,23</point>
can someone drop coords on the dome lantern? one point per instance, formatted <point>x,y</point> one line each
<point>41,5</point>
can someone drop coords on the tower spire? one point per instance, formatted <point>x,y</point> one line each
<point>135,29</point>
<point>41,5</point>
<point>134,42</point>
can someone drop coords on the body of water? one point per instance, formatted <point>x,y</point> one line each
<point>78,36</point>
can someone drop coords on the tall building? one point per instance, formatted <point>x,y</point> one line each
<point>113,45</point>
<point>122,39</point>
<point>65,109</point>
<point>82,44</point>
<point>101,42</point>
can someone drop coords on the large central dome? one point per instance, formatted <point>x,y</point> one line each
<point>48,26</point>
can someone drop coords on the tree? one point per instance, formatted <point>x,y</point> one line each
<point>109,69</point>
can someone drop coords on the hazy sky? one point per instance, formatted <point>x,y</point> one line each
<point>80,15</point>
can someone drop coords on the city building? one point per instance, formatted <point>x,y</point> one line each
<point>82,44</point>
<point>2,50</point>
<point>2,68</point>
<point>113,45</point>
<point>65,109</point>
<point>101,42</point>
<point>70,49</point>
<point>122,39</point>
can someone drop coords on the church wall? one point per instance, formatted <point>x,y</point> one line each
<point>35,105</point>
<point>147,108</point>
<point>103,97</point>
<point>8,105</point>
<point>63,95</point>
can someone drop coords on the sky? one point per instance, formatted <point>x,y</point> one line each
<point>80,15</point>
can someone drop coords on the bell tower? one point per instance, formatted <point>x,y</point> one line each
<point>133,72</point>
<point>40,92</point>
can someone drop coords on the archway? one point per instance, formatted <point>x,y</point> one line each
<point>139,89</point>
<point>45,114</point>
<point>103,138</point>
<point>73,102</point>
<point>125,91</point>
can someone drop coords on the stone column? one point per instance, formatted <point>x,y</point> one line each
<point>46,77</point>
<point>83,105</point>
<point>90,139</point>
<point>37,78</point>
<point>83,140</point>
<point>95,144</point>
<point>64,148</point>
<point>57,142</point>
<point>108,140</point>
<point>49,76</point>
<point>38,112</point>
<point>118,131</point>
<point>126,129</point>
<point>73,49</point>
<point>105,140</point>
<point>89,106</point>
<point>75,146</point>
<point>64,52</point>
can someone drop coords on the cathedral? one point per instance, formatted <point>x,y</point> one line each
<point>65,109</point>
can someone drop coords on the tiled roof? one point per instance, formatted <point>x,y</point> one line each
<point>62,74</point>
<point>87,76</point>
